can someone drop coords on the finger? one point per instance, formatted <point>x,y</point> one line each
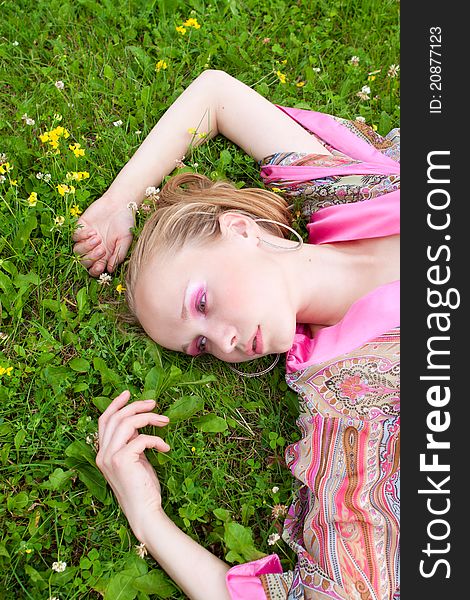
<point>117,438</point>
<point>143,442</point>
<point>112,416</point>
<point>83,247</point>
<point>115,405</point>
<point>114,259</point>
<point>95,254</point>
<point>82,232</point>
<point>98,267</point>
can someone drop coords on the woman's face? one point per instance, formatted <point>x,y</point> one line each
<point>228,298</point>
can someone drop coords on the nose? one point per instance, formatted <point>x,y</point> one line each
<point>226,338</point>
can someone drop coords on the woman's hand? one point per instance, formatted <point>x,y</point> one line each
<point>103,235</point>
<point>122,461</point>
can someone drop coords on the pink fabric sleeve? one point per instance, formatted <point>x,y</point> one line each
<point>243,582</point>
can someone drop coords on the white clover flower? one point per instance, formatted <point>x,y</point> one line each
<point>141,550</point>
<point>361,119</point>
<point>39,175</point>
<point>316,69</point>
<point>92,440</point>
<point>27,119</point>
<point>365,89</point>
<point>59,221</point>
<point>3,336</point>
<point>2,178</point>
<point>273,538</point>
<point>59,566</point>
<point>275,489</point>
<point>53,598</point>
<point>47,177</point>
<point>132,206</point>
<point>3,157</point>
<point>354,60</point>
<point>138,132</point>
<point>393,70</point>
<point>151,191</point>
<point>15,43</point>
<point>117,123</point>
<point>59,85</point>
<point>104,279</point>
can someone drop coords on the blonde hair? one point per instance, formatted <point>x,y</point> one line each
<point>189,208</point>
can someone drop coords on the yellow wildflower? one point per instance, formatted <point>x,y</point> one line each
<point>374,127</point>
<point>161,64</point>
<point>5,168</point>
<point>77,175</point>
<point>77,149</point>
<point>192,23</point>
<point>282,77</point>
<point>203,134</point>
<point>371,78</point>
<point>181,30</point>
<point>300,84</point>
<point>6,371</point>
<point>284,62</point>
<point>75,211</point>
<point>120,288</point>
<point>44,137</point>
<point>193,449</point>
<point>13,182</point>
<point>33,199</point>
<point>63,189</point>
<point>192,130</point>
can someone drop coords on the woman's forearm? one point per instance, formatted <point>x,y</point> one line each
<point>213,103</point>
<point>199,573</point>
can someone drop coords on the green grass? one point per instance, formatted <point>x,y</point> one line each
<point>67,353</point>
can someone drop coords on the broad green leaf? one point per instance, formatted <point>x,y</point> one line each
<point>80,365</point>
<point>211,424</point>
<point>58,479</point>
<point>120,588</point>
<point>82,299</point>
<point>239,539</point>
<point>154,582</point>
<point>222,514</point>
<point>60,579</point>
<point>184,407</point>
<point>154,378</point>
<point>101,403</point>
<point>24,232</point>
<point>18,501</point>
<point>81,452</point>
<point>19,439</point>
<point>3,550</point>
<point>108,72</point>
<point>93,479</point>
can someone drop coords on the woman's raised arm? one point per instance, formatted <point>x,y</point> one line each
<point>213,103</point>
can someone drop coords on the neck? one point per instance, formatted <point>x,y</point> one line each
<point>326,280</point>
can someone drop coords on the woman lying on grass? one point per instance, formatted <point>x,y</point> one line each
<point>213,272</point>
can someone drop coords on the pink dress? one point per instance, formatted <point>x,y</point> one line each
<point>344,521</point>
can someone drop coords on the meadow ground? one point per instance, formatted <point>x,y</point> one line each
<point>81,84</point>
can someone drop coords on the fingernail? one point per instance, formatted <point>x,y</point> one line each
<point>149,401</point>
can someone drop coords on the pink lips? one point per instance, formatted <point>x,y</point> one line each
<point>259,344</point>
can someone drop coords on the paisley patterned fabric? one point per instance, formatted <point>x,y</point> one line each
<point>344,521</point>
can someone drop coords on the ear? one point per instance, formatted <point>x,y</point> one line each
<point>236,225</point>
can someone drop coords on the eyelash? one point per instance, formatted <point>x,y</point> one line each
<point>201,306</point>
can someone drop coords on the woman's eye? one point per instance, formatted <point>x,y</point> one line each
<point>201,345</point>
<point>201,305</point>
